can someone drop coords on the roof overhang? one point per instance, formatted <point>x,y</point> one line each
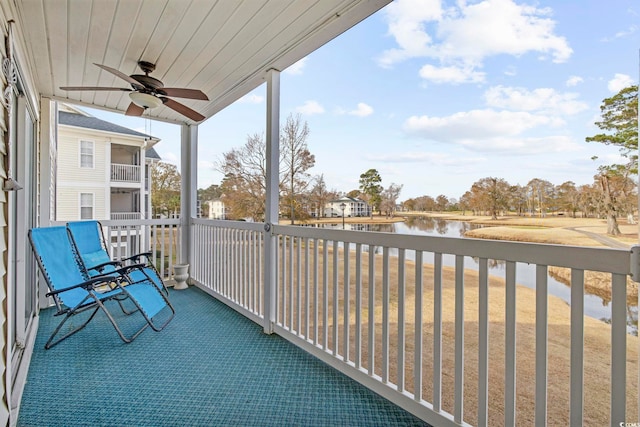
<point>223,48</point>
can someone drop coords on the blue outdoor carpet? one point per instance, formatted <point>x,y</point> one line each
<point>209,367</point>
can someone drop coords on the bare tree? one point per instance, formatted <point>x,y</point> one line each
<point>541,195</point>
<point>442,202</point>
<point>245,171</point>
<point>567,194</point>
<point>296,160</point>
<point>490,194</point>
<point>389,198</point>
<point>244,184</point>
<point>320,196</point>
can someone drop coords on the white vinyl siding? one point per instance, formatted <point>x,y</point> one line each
<point>86,206</point>
<point>68,202</point>
<point>87,154</point>
<point>69,168</point>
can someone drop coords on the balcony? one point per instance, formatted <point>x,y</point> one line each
<point>398,314</point>
<point>125,173</point>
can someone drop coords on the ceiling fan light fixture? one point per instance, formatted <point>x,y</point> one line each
<point>145,100</point>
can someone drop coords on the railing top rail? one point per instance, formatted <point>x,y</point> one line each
<point>241,225</point>
<point>167,221</point>
<point>121,222</point>
<point>586,258</point>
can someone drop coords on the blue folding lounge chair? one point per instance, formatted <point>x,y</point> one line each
<point>88,238</point>
<point>74,291</point>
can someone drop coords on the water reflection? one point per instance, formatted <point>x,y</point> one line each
<point>596,304</point>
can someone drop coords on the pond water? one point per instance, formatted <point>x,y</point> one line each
<point>594,306</point>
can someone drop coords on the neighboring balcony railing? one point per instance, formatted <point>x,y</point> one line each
<point>125,173</point>
<point>394,312</point>
<point>131,216</point>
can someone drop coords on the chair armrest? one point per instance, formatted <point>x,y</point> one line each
<point>136,257</point>
<point>100,267</point>
<point>89,284</point>
<point>127,268</point>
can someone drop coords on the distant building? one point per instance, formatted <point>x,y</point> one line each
<point>216,209</point>
<point>352,207</point>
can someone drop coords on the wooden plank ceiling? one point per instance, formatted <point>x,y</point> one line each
<point>224,48</point>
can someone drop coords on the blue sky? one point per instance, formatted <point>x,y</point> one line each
<point>436,95</point>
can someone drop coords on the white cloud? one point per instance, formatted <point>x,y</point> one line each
<point>476,124</point>
<point>490,131</point>
<point>363,110</point>
<point>622,34</point>
<point>310,108</point>
<point>297,68</point>
<point>522,145</point>
<point>407,20</point>
<point>574,81</point>
<point>510,71</point>
<point>444,159</point>
<point>251,98</point>
<point>619,82</point>
<point>467,33</point>
<point>494,27</point>
<point>545,100</point>
<point>452,74</point>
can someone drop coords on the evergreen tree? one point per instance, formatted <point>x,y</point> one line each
<point>620,125</point>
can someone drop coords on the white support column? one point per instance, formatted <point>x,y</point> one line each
<point>271,211</point>
<point>188,187</point>
<point>48,154</point>
<point>142,206</point>
<point>48,148</point>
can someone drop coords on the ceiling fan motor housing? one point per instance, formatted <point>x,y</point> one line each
<point>148,92</point>
<point>147,81</point>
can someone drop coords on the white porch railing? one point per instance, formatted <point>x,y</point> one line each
<point>402,326</point>
<point>228,261</point>
<point>160,237</point>
<point>125,173</point>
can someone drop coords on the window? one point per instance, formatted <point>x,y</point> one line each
<point>86,205</point>
<point>86,154</point>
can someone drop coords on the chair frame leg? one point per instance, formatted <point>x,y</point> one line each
<point>99,306</point>
<point>69,315</point>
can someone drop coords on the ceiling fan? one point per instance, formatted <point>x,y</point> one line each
<point>147,92</point>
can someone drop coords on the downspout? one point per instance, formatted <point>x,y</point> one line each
<point>272,195</point>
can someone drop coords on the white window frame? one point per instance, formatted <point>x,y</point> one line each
<point>93,154</point>
<point>93,205</point>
